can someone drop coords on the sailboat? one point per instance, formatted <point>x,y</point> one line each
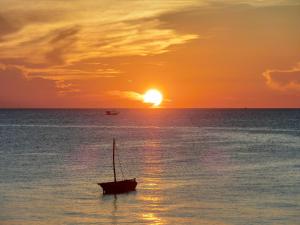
<point>111,112</point>
<point>116,187</point>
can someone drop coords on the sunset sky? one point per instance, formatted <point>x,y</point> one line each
<point>198,53</point>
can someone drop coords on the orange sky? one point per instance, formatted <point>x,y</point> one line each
<point>199,53</point>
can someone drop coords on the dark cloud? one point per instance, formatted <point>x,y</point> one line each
<point>243,17</point>
<point>61,43</point>
<point>64,35</point>
<point>18,91</point>
<point>6,27</point>
<point>10,23</point>
<point>57,42</point>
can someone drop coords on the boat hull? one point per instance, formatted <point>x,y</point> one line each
<point>111,113</point>
<point>118,186</point>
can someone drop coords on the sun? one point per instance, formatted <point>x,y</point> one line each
<point>153,97</point>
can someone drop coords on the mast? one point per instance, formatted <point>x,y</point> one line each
<point>114,146</point>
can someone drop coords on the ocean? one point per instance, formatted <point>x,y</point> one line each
<point>193,166</point>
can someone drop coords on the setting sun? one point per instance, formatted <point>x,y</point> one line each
<point>153,97</point>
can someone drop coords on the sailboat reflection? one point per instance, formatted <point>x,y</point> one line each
<point>114,207</point>
<point>114,211</point>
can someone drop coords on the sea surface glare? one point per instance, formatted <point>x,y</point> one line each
<point>211,167</point>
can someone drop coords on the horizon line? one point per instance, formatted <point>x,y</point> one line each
<point>122,108</point>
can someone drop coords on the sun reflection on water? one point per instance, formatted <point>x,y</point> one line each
<point>152,197</point>
<point>152,219</point>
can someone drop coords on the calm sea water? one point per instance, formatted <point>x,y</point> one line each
<point>193,166</point>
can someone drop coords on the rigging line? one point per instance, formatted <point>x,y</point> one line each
<point>126,169</point>
<point>121,168</point>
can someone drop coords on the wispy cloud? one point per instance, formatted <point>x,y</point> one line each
<point>56,33</point>
<point>132,95</point>
<point>283,80</point>
<point>68,72</point>
<point>101,30</point>
<point>72,44</point>
<point>46,38</point>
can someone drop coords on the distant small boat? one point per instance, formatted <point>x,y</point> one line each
<point>111,113</point>
<point>116,187</point>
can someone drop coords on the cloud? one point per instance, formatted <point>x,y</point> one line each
<point>63,42</point>
<point>33,46</point>
<point>132,95</point>
<point>69,72</point>
<point>96,33</point>
<point>73,44</point>
<point>51,44</point>
<point>283,80</point>
<point>56,34</point>
<point>55,40</point>
<point>17,90</point>
<point>6,27</point>
<point>12,76</point>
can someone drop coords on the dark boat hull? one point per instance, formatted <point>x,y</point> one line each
<point>119,186</point>
<point>111,113</point>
